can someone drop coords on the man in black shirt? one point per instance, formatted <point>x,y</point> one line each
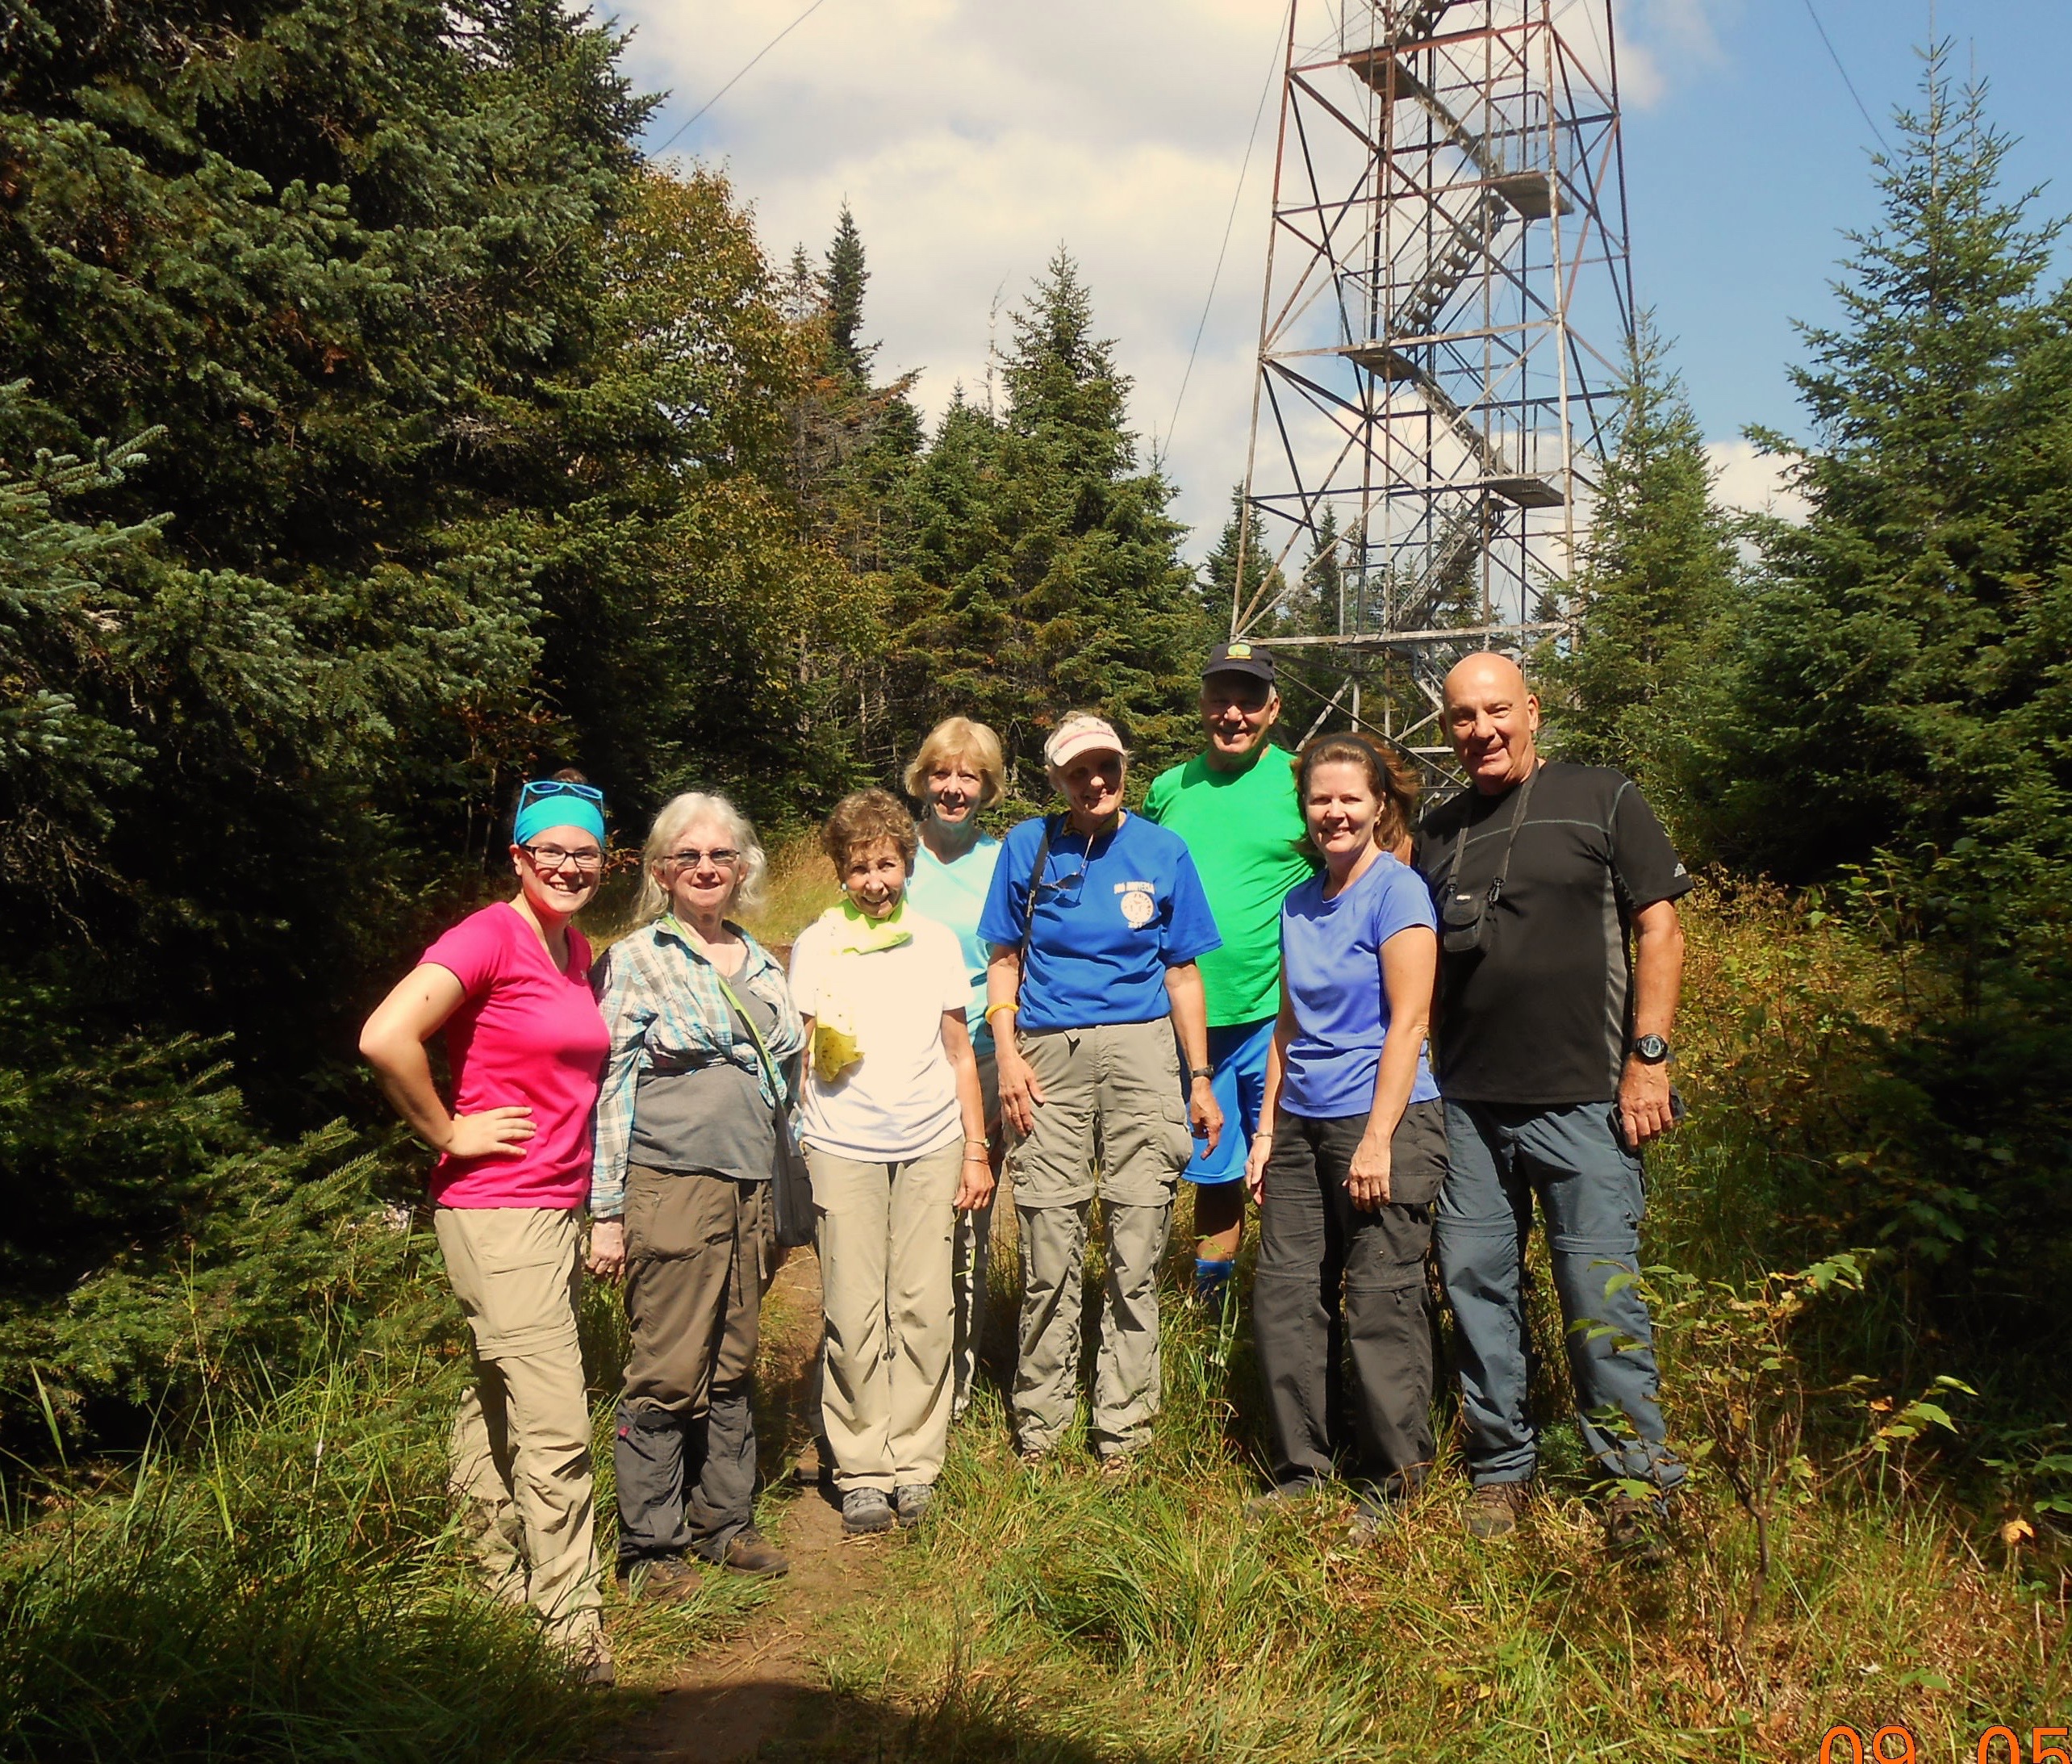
<point>1552,1050</point>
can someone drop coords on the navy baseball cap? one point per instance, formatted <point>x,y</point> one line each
<point>1239,657</point>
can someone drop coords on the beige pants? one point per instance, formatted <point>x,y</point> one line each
<point>973,1256</point>
<point>521,1441</point>
<point>1112,1104</point>
<point>884,1236</point>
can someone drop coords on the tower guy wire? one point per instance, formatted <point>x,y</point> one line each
<point>1828,43</point>
<point>657,151</point>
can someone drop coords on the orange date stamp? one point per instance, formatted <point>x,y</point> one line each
<point>1896,1745</point>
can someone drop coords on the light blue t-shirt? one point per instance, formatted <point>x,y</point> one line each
<point>1109,921</point>
<point>1331,953</point>
<point>954,894</point>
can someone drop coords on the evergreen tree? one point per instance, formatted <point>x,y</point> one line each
<point>1045,572</point>
<point>843,286</point>
<point>1648,603</point>
<point>1262,582</point>
<point>1904,660</point>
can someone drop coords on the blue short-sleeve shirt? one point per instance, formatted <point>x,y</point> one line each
<point>1111,917</point>
<point>1331,956</point>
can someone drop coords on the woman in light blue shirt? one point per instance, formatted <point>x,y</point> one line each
<point>1352,1146</point>
<point>958,774</point>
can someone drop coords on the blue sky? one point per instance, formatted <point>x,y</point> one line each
<point>1743,175</point>
<point>973,137</point>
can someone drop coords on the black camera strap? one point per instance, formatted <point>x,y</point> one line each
<point>1510,840</point>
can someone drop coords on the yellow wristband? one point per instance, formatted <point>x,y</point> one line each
<point>994,1010</point>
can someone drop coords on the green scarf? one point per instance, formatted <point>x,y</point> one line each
<point>856,934</point>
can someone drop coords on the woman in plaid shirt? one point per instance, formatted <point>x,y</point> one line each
<point>701,1024</point>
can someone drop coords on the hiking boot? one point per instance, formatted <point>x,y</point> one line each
<point>661,1580</point>
<point>747,1553</point>
<point>1637,1530</point>
<point>1119,1466</point>
<point>1372,1518</point>
<point>814,1467</point>
<point>910,1502</point>
<point>590,1662</point>
<point>865,1511</point>
<point>1492,1509</point>
<point>1279,1500</point>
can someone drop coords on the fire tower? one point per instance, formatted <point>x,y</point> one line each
<point>1447,304</point>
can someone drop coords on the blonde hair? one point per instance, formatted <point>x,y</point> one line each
<point>958,738</point>
<point>861,819</point>
<point>677,816</point>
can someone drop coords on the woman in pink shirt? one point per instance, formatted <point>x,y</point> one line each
<point>510,986</point>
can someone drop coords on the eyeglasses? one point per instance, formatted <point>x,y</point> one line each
<point>552,857</point>
<point>724,857</point>
<point>543,789</point>
<point>1061,890</point>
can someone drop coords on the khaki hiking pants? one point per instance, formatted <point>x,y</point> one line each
<point>884,1236</point>
<point>521,1441</point>
<point>1112,1104</point>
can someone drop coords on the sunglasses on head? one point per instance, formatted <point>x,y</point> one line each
<point>545,789</point>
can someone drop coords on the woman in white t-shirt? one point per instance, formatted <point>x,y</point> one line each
<point>894,1136</point>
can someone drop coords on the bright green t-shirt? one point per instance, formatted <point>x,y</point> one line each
<point>1245,831</point>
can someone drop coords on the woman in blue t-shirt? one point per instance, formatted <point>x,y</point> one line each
<point>1095,919</point>
<point>1347,1171</point>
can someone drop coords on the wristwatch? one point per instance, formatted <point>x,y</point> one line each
<point>1650,1050</point>
<point>1200,1072</point>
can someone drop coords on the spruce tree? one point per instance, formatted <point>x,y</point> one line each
<point>1902,655</point>
<point>843,284</point>
<point>1649,603</point>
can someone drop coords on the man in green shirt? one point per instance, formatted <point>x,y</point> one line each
<point>1235,805</point>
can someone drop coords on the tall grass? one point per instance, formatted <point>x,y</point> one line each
<point>287,1582</point>
<point>1049,1614</point>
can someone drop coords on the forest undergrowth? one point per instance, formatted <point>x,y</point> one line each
<point>1863,1543</point>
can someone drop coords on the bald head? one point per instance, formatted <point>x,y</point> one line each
<point>1493,720</point>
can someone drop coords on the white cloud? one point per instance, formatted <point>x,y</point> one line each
<point>1746,480</point>
<point>972,138</point>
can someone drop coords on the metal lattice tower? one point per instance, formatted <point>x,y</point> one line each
<point>1447,304</point>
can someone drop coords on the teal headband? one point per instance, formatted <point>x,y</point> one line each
<point>550,802</point>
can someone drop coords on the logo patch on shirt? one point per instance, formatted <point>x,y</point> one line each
<point>1140,904</point>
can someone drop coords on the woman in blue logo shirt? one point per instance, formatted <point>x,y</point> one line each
<point>1352,1147</point>
<point>1095,919</point>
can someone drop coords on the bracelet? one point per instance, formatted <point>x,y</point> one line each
<point>977,1156</point>
<point>994,1010</point>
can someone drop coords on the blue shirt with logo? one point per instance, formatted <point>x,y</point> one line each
<point>1330,954</point>
<point>1111,917</point>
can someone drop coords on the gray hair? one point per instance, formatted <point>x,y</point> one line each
<point>677,817</point>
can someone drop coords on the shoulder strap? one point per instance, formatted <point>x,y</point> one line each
<point>762,1047</point>
<point>1510,839</point>
<point>1035,877</point>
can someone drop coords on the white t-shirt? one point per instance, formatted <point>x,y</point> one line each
<point>899,1100</point>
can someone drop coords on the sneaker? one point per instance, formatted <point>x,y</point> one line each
<point>865,1511</point>
<point>747,1553</point>
<point>661,1579</point>
<point>1492,1509</point>
<point>1119,1466</point>
<point>1637,1530</point>
<point>910,1502</point>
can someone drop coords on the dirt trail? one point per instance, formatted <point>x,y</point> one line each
<point>766,1684</point>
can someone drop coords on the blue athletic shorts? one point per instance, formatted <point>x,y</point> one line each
<point>1237,1053</point>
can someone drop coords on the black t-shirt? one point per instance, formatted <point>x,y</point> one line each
<point>1543,1017</point>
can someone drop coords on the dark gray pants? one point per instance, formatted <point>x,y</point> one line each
<point>686,1483</point>
<point>698,1257</point>
<point>1313,1245</point>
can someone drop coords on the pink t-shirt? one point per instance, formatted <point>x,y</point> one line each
<point>523,1035</point>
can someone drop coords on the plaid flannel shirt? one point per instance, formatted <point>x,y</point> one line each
<point>663,1003</point>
